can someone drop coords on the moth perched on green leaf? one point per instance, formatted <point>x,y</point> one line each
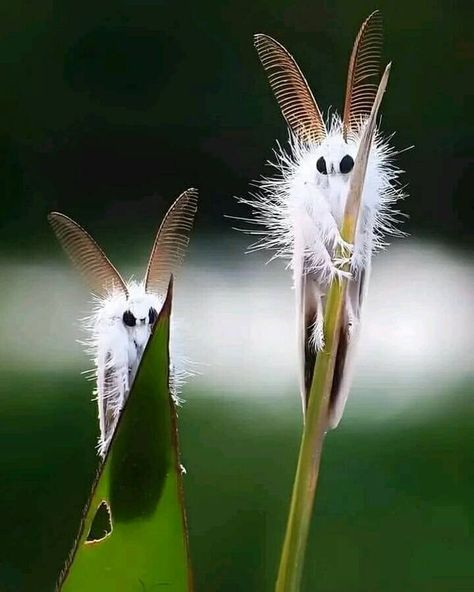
<point>303,206</point>
<point>125,312</point>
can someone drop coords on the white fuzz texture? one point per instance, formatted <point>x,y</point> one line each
<point>300,209</point>
<point>116,350</point>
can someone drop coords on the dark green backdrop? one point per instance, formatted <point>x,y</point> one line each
<point>106,104</point>
<point>108,110</point>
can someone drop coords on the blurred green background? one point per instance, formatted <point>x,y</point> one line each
<point>107,111</point>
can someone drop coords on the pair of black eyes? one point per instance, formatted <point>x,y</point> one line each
<point>130,320</point>
<point>345,166</point>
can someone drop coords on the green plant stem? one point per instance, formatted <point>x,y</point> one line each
<point>304,488</point>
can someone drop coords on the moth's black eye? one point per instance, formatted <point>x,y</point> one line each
<point>129,319</point>
<point>321,165</point>
<point>346,165</point>
<point>152,316</point>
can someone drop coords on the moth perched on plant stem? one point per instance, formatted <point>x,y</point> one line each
<point>125,312</point>
<point>302,208</point>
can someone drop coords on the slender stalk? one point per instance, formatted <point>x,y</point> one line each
<point>304,489</point>
<point>290,571</point>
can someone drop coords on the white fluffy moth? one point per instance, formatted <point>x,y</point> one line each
<point>125,312</point>
<point>302,207</point>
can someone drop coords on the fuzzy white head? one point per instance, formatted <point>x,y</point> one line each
<point>135,313</point>
<point>124,313</point>
<point>334,162</point>
<point>126,319</point>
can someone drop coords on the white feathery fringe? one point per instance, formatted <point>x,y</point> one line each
<point>298,190</point>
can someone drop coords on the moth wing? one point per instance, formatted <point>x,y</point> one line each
<point>312,310</point>
<point>291,90</point>
<point>363,73</point>
<point>307,293</point>
<point>111,394</point>
<point>107,415</point>
<point>300,301</point>
<point>86,255</point>
<point>170,243</point>
<point>113,380</point>
<point>348,342</point>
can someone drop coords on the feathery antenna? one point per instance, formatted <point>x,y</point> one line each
<point>291,90</point>
<point>363,73</point>
<point>86,255</point>
<point>170,243</point>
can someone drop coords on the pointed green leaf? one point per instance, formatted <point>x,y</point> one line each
<point>133,536</point>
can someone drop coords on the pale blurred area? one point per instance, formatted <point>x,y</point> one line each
<point>234,318</point>
<point>109,111</point>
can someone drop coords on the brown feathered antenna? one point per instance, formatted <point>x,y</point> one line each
<point>170,243</point>
<point>87,256</point>
<point>291,90</point>
<point>364,73</point>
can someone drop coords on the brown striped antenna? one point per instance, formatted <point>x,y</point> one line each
<point>291,90</point>
<point>170,243</point>
<point>364,73</point>
<point>87,256</point>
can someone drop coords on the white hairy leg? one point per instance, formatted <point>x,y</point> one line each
<point>317,333</point>
<point>318,241</point>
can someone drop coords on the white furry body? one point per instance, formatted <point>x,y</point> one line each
<point>116,350</point>
<point>124,314</point>
<point>302,209</point>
